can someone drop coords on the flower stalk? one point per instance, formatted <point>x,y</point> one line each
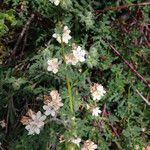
<point>62,49</point>
<point>70,94</point>
<point>67,80</point>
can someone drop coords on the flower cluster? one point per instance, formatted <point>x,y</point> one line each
<point>76,55</point>
<point>97,91</point>
<point>34,122</point>
<point>52,103</point>
<point>65,37</point>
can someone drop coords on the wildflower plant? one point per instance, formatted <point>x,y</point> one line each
<point>70,62</point>
<point>62,86</point>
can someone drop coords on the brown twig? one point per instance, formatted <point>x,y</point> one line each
<point>147,102</point>
<point>25,28</point>
<point>130,66</point>
<point>24,44</point>
<point>121,7</point>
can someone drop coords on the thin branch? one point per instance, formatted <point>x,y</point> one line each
<point>147,102</point>
<point>25,28</point>
<point>24,44</point>
<point>130,67</point>
<point>1,147</point>
<point>121,7</point>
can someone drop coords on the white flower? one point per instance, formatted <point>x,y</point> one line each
<point>56,2</point>
<point>3,124</point>
<point>76,141</point>
<point>25,120</point>
<point>143,129</point>
<point>97,91</point>
<point>52,105</point>
<point>89,145</point>
<point>70,59</point>
<point>79,54</point>
<point>53,65</point>
<point>87,106</point>
<point>55,95</point>
<point>49,110</point>
<point>65,37</point>
<point>36,124</point>
<point>57,37</point>
<point>96,111</point>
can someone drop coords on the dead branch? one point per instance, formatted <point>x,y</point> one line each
<point>24,44</point>
<point>130,67</point>
<point>25,28</point>
<point>121,7</point>
<point>147,102</point>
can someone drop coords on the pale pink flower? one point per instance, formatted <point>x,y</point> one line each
<point>97,91</point>
<point>55,95</point>
<point>71,59</point>
<point>25,120</point>
<point>53,65</point>
<point>89,145</point>
<point>3,124</point>
<point>79,54</point>
<point>52,105</point>
<point>76,55</point>
<point>34,122</point>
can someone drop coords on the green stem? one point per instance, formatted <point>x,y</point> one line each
<point>67,80</point>
<point>129,103</point>
<point>70,95</point>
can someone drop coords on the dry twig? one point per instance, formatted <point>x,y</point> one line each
<point>121,7</point>
<point>130,67</point>
<point>147,102</point>
<point>25,28</point>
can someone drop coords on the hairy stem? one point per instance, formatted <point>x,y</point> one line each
<point>70,94</point>
<point>67,80</point>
